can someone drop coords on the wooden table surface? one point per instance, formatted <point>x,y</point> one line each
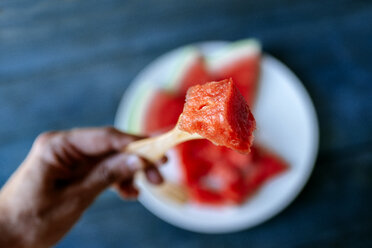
<point>66,63</point>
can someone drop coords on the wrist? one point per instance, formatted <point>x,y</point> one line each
<point>15,229</point>
<point>8,237</point>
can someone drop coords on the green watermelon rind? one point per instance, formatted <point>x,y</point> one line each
<point>233,52</point>
<point>137,107</point>
<point>185,58</point>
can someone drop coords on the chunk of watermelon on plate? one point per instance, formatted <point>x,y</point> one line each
<point>218,112</point>
<point>218,175</point>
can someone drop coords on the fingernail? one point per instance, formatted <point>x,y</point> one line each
<point>154,176</point>
<point>164,159</point>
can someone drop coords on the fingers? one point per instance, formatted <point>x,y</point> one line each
<point>85,142</point>
<point>117,168</point>
<point>63,154</point>
<point>151,170</point>
<point>126,189</point>
<point>153,175</point>
<point>99,141</point>
<point>91,160</point>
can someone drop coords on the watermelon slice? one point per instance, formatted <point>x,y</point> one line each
<point>163,112</point>
<point>187,70</point>
<point>238,176</point>
<point>265,165</point>
<point>166,104</point>
<point>142,97</point>
<point>241,62</point>
<point>206,196</point>
<point>217,111</point>
<point>195,73</point>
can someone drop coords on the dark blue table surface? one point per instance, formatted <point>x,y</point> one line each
<point>67,63</point>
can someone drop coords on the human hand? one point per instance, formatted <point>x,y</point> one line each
<point>61,176</point>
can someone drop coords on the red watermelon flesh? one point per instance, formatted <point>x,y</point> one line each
<point>265,164</point>
<point>245,73</point>
<point>239,175</point>
<point>196,73</point>
<point>205,195</point>
<point>218,112</point>
<point>163,111</point>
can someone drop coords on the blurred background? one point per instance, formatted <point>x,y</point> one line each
<point>66,64</point>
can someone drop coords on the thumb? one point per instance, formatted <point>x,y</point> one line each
<point>116,168</point>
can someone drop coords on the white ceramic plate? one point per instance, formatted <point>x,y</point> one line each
<point>286,122</point>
